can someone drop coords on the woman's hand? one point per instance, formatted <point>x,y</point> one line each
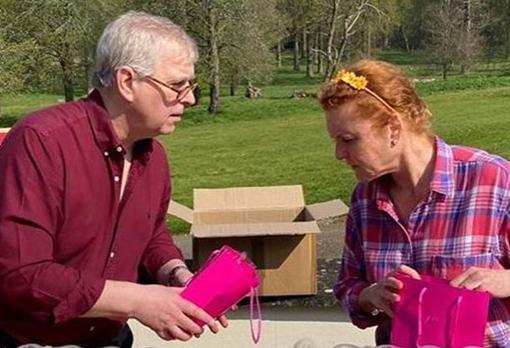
<point>380,296</point>
<point>495,281</point>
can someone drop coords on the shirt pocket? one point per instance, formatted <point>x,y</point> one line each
<point>381,262</point>
<point>448,267</point>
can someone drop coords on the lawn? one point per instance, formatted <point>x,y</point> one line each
<point>277,140</point>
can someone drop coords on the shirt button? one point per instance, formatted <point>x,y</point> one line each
<point>106,154</point>
<point>112,254</point>
<point>116,178</point>
<point>119,148</point>
<point>92,328</point>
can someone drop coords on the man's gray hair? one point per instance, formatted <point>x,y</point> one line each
<point>136,39</point>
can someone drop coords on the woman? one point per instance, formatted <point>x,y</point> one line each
<point>421,206</point>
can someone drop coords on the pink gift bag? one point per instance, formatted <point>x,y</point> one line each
<point>431,312</point>
<point>222,281</point>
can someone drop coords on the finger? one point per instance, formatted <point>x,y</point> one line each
<point>165,334</point>
<point>175,289</point>
<point>471,283</point>
<point>385,308</point>
<point>459,280</point>
<point>234,307</point>
<point>196,312</point>
<point>409,271</point>
<point>213,326</point>
<point>187,324</point>
<point>388,311</point>
<point>223,321</point>
<point>178,333</point>
<point>392,283</point>
<point>390,297</point>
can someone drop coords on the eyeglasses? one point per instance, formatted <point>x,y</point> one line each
<point>181,93</point>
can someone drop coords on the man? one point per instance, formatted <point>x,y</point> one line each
<point>85,190</point>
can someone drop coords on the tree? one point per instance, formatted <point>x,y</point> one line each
<point>496,28</point>
<point>248,56</point>
<point>344,22</point>
<point>58,29</point>
<point>228,50</point>
<point>445,19</point>
<point>469,35</point>
<point>11,68</point>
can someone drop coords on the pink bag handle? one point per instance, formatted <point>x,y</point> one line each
<point>255,336</point>
<point>420,317</point>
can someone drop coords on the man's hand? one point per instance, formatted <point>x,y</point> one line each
<point>380,296</point>
<point>163,310</point>
<point>495,281</point>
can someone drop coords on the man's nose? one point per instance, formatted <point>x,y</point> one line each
<point>189,99</point>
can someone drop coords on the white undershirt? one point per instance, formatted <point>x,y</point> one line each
<point>125,170</point>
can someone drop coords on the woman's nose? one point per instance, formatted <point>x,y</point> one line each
<point>340,152</point>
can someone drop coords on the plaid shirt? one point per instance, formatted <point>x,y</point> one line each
<point>463,222</point>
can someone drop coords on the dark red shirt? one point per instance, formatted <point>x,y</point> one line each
<point>63,229</point>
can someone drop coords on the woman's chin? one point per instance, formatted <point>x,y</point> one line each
<point>364,176</point>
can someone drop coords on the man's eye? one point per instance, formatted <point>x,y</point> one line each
<point>347,140</point>
<point>179,86</point>
<point>182,85</point>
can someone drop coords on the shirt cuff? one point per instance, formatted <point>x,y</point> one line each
<point>81,299</point>
<point>359,317</point>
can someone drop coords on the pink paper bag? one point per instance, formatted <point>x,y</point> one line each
<point>431,312</point>
<point>222,281</point>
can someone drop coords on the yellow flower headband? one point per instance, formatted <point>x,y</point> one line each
<point>359,82</point>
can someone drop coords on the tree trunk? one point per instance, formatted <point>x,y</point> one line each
<point>318,56</point>
<point>214,65</point>
<point>233,87</point>
<point>329,48</point>
<point>304,45</point>
<point>445,71</point>
<point>67,76</point>
<point>507,48</point>
<point>310,56</point>
<point>404,36</point>
<point>296,52</point>
<point>279,54</point>
<point>506,26</point>
<point>339,56</point>
<point>468,25</point>
<point>467,15</point>
<point>87,68</point>
<point>369,42</point>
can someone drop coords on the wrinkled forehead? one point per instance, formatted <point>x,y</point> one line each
<point>347,117</point>
<point>175,62</point>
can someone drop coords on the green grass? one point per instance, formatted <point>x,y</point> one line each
<point>276,140</point>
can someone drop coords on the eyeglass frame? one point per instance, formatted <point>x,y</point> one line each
<point>181,94</point>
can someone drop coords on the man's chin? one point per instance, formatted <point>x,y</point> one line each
<point>165,130</point>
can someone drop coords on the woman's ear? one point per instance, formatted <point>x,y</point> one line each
<point>125,78</point>
<point>395,129</point>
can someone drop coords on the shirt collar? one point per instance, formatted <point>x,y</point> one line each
<point>104,133</point>
<point>443,178</point>
<point>442,181</point>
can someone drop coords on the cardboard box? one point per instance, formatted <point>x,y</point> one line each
<point>273,225</point>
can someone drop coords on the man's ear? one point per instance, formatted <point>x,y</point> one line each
<point>125,79</point>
